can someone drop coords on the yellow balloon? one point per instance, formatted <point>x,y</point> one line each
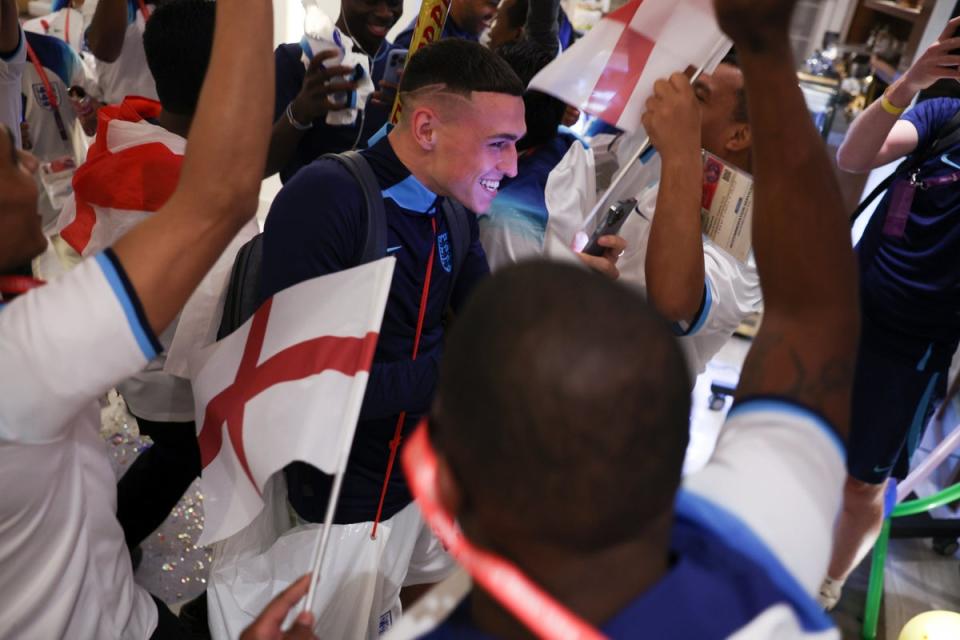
<point>932,625</point>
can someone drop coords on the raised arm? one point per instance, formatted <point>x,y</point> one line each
<point>674,266</point>
<point>9,27</point>
<point>167,255</point>
<point>805,349</point>
<point>877,136</point>
<point>106,30</point>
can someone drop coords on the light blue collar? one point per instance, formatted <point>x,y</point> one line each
<point>410,194</point>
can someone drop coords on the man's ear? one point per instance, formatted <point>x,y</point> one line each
<point>448,489</point>
<point>424,126</point>
<point>740,138</point>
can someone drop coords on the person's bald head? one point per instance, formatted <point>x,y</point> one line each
<point>561,410</point>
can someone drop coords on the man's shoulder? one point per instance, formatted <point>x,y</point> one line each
<point>323,195</point>
<point>930,115</point>
<point>405,37</point>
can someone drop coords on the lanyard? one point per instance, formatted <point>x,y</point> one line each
<point>395,442</point>
<point>532,606</point>
<point>66,28</point>
<point>51,96</point>
<point>11,286</point>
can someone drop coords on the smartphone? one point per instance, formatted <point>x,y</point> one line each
<point>394,68</point>
<point>610,225</point>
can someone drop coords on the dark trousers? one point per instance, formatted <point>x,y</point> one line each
<point>157,479</point>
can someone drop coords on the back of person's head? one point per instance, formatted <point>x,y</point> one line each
<point>543,113</point>
<point>508,27</point>
<point>562,410</point>
<point>177,40</point>
<point>459,66</point>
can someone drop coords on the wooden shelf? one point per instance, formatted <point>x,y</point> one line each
<point>894,9</point>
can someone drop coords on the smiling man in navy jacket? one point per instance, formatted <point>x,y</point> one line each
<point>462,115</point>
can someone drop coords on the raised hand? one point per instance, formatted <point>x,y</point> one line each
<point>754,24</point>
<point>937,62</point>
<point>672,118</point>
<point>319,86</point>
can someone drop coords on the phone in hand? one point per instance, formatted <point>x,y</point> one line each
<point>396,59</point>
<point>610,225</point>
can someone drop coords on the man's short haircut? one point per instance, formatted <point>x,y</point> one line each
<point>543,113</point>
<point>562,407</point>
<point>462,67</point>
<point>740,112</point>
<point>177,41</point>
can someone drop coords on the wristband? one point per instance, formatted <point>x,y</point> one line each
<point>293,121</point>
<point>890,108</point>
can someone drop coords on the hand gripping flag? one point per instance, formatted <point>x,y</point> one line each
<point>286,386</point>
<point>610,72</point>
<point>131,171</point>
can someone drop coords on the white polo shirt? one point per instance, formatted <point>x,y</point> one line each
<point>65,570</point>
<point>129,75</point>
<point>731,288</point>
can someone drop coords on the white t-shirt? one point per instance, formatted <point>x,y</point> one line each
<point>129,75</point>
<point>65,569</point>
<point>11,69</point>
<point>731,290</point>
<point>63,68</point>
<point>539,215</point>
<point>66,24</point>
<point>754,531</point>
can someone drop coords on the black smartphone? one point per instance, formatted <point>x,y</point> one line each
<point>610,225</point>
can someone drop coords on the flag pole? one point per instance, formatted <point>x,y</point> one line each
<point>343,453</point>
<point>721,48</point>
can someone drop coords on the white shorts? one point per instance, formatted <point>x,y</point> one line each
<point>358,594</point>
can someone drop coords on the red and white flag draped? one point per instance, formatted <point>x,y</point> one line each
<point>286,386</point>
<point>132,169</point>
<point>610,72</point>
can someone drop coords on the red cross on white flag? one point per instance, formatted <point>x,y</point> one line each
<point>285,386</point>
<point>610,72</point>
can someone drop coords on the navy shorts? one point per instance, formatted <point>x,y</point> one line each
<point>895,392</point>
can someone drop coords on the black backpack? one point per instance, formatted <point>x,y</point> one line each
<point>243,294</point>
<point>947,136</point>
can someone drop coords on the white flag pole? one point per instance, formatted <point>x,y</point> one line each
<point>719,50</point>
<point>346,440</point>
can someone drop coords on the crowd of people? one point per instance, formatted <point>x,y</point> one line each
<point>549,400</point>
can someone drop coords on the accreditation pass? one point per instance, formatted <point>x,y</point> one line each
<point>726,210</point>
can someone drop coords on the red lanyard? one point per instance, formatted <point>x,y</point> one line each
<point>532,606</point>
<point>17,285</point>
<point>51,96</point>
<point>66,29</point>
<point>143,10</point>
<point>395,442</point>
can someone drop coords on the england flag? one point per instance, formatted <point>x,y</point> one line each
<point>286,386</point>
<point>610,72</point>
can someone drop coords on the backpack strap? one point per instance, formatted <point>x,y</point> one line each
<point>947,136</point>
<point>243,288</point>
<point>458,226</point>
<point>375,245</point>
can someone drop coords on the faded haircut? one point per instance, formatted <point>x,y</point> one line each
<point>461,67</point>
<point>562,407</point>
